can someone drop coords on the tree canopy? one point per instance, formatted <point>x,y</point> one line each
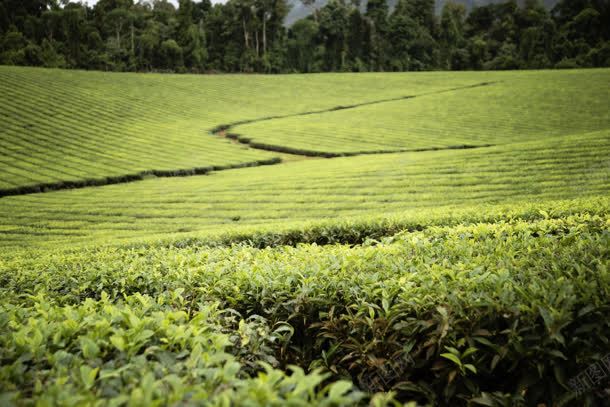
<point>250,36</point>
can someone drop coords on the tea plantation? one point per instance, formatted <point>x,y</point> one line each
<point>568,167</point>
<point>504,108</point>
<point>69,128</point>
<point>413,271</point>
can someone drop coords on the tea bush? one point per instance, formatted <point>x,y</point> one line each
<point>436,316</point>
<point>474,277</point>
<point>139,351</point>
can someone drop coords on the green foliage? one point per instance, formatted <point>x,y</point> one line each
<point>446,278</point>
<point>139,350</point>
<point>154,125</point>
<point>340,36</point>
<point>435,316</point>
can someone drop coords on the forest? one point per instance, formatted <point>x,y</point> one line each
<point>342,36</point>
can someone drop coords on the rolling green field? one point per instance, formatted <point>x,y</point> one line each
<point>70,126</point>
<point>512,107</point>
<point>395,275</point>
<point>569,167</point>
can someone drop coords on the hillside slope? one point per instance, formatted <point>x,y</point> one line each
<point>504,108</point>
<point>69,127</point>
<point>452,278</point>
<point>552,168</point>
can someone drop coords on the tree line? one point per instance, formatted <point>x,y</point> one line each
<point>342,36</point>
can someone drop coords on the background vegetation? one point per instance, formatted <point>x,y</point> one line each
<point>62,129</point>
<point>307,190</point>
<point>250,36</point>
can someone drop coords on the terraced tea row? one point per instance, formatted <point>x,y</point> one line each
<point>515,107</point>
<point>435,315</point>
<point>561,168</point>
<point>68,126</point>
<point>67,129</point>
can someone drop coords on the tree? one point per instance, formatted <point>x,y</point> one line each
<point>302,45</point>
<point>358,31</point>
<point>74,23</point>
<point>536,35</point>
<point>495,27</point>
<point>4,18</point>
<point>451,36</point>
<point>171,55</point>
<point>250,35</point>
<point>118,19</point>
<point>376,17</point>
<point>413,45</point>
<point>272,15</point>
<point>333,34</point>
<point>12,46</point>
<point>191,36</point>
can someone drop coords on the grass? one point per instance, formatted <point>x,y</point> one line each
<point>513,107</point>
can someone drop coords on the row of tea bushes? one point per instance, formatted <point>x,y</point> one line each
<point>436,316</point>
<point>140,351</point>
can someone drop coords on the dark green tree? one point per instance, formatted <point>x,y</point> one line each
<point>454,54</point>
<point>302,46</point>
<point>190,36</point>
<point>376,18</point>
<point>333,23</point>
